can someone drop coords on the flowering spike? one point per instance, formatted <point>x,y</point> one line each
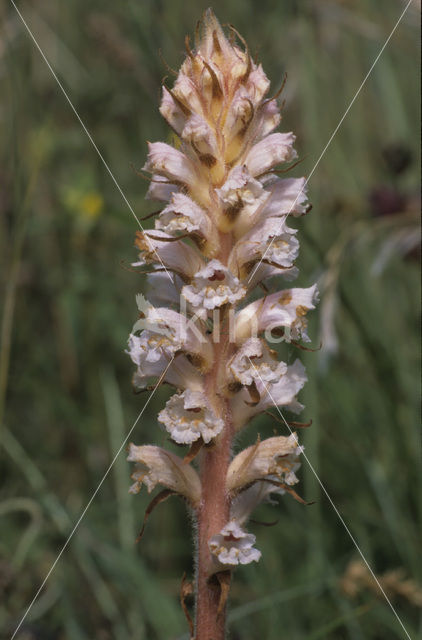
<point>223,230</point>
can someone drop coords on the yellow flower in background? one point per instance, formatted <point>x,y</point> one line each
<point>84,203</point>
<point>91,205</point>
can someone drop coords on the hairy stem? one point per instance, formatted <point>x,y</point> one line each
<point>213,514</point>
<point>214,510</point>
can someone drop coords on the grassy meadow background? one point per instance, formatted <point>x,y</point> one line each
<point>68,303</point>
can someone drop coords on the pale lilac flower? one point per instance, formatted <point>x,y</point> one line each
<point>241,196</point>
<point>282,197</point>
<point>201,136</point>
<point>176,371</point>
<point>247,500</point>
<point>213,286</point>
<point>288,196</point>
<point>174,254</point>
<point>183,215</point>
<point>160,188</point>
<point>274,457</point>
<point>157,466</point>
<point>270,242</point>
<point>167,333</point>
<point>285,309</point>
<point>280,394</point>
<point>171,163</point>
<point>234,546</point>
<point>255,362</point>
<point>270,151</point>
<point>188,416</point>
<point>164,290</point>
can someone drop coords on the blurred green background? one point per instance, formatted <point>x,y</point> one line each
<point>68,303</point>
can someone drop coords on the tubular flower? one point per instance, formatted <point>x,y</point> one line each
<point>188,417</point>
<point>255,247</point>
<point>248,499</point>
<point>157,466</point>
<point>223,230</point>
<point>284,310</point>
<point>166,333</point>
<point>212,287</point>
<point>255,362</point>
<point>233,545</point>
<point>272,457</point>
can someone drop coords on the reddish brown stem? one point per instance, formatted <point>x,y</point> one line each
<point>214,510</point>
<point>213,514</point>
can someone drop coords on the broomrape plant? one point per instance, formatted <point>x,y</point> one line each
<point>222,232</point>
